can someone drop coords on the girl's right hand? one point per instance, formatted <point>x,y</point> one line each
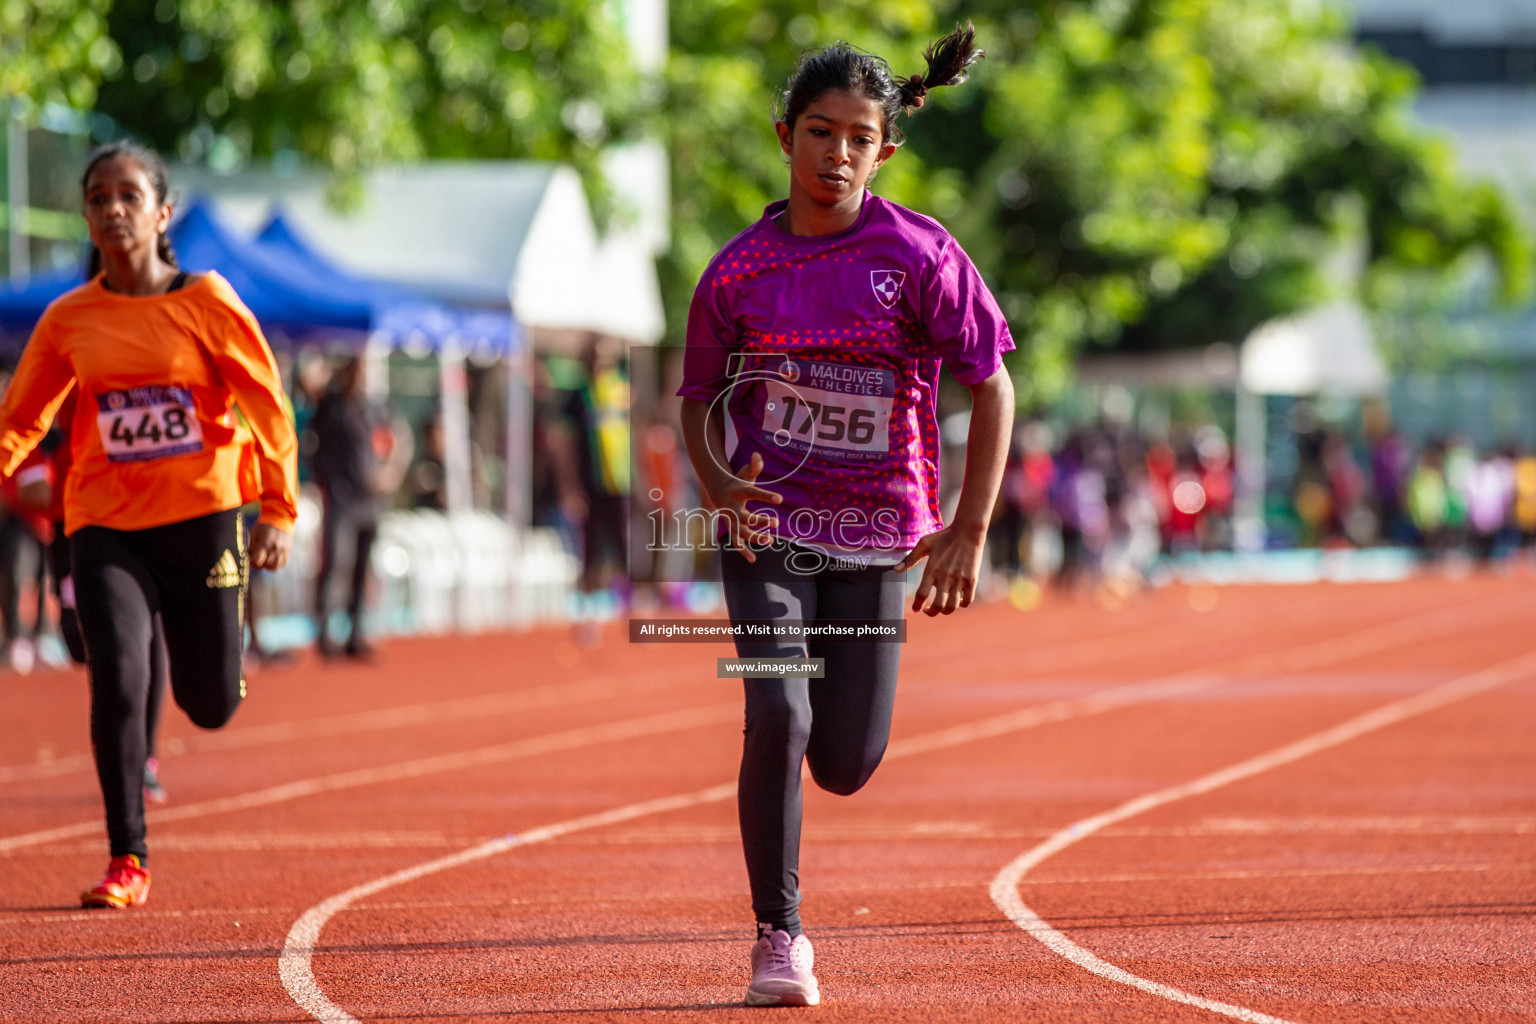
<point>730,495</point>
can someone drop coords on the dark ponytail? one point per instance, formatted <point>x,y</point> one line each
<point>159,179</point>
<point>949,61</point>
<point>841,66</point>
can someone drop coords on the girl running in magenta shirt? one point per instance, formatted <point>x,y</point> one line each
<point>815,340</point>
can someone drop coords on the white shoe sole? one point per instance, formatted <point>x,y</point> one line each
<point>788,997</point>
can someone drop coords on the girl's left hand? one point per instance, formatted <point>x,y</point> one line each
<point>269,546</point>
<point>954,565</point>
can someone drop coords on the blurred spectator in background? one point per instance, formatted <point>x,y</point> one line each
<point>1490,491</point>
<point>1038,474</point>
<point>594,457</point>
<point>1313,494</point>
<point>1007,530</point>
<point>1525,498</point>
<point>1112,499</point>
<point>545,485</point>
<point>1352,519</point>
<point>1216,482</point>
<point>349,432</point>
<point>1426,499</point>
<point>1459,463</point>
<point>311,377</point>
<point>1391,462</point>
<point>1135,534</point>
<point>671,562</point>
<point>1186,504</point>
<point>1161,462</point>
<point>1078,498</point>
<point>427,482</point>
<point>25,533</point>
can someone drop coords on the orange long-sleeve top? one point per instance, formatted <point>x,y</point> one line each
<point>155,438</point>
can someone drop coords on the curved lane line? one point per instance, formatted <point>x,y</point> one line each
<point>1354,644</point>
<point>1051,657</point>
<point>296,961</point>
<point>629,728</point>
<point>350,724</point>
<point>296,965</point>
<point>1005,887</point>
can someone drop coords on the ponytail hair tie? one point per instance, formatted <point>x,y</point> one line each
<point>913,91</point>
<point>949,60</point>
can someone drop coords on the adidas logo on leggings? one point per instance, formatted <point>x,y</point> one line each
<point>225,572</point>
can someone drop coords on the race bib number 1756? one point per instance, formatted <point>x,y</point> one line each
<point>837,410</point>
<point>149,422</point>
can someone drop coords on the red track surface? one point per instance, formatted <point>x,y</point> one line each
<point>1388,878</point>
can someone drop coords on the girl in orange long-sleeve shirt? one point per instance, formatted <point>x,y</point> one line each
<point>152,500</point>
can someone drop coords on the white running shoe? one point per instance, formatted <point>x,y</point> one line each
<point>21,655</point>
<point>781,971</point>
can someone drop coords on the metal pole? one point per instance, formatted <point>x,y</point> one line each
<point>455,426</point>
<point>1248,499</point>
<point>17,193</point>
<point>519,470</point>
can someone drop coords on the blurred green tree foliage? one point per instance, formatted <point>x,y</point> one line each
<point>350,84</point>
<point>54,51</point>
<point>1137,172</point>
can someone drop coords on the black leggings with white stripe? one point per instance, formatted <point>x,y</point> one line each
<point>839,724</point>
<point>190,575</point>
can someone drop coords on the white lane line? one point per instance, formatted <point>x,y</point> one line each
<point>298,950</point>
<point>295,966</point>
<point>456,709</point>
<point>1005,887</point>
<point>261,842</point>
<point>984,830</point>
<point>1054,657</point>
<point>630,728</point>
<point>45,769</point>
<point>1295,659</point>
<point>702,895</point>
<point>1363,641</point>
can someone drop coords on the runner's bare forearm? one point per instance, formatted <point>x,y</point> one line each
<point>986,451</point>
<point>704,437</point>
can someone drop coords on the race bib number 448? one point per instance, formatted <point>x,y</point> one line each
<point>836,410</point>
<point>150,422</point>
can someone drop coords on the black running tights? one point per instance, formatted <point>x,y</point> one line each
<point>192,575</point>
<point>838,724</point>
<point>69,625</point>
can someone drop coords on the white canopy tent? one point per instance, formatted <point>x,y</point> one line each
<point>487,233</point>
<point>479,232</point>
<point>1328,350</point>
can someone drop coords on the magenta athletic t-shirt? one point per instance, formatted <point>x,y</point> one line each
<point>826,351</point>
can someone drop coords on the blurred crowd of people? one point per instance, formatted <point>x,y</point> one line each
<point>1106,502</point>
<point>353,458</point>
<point>1446,497</point>
<point>1078,506</point>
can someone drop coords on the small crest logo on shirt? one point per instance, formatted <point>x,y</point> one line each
<point>887,285</point>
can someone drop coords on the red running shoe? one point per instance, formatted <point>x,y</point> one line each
<point>126,885</point>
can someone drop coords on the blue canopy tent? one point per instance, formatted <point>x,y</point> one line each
<point>21,305</point>
<point>294,293</point>
<point>300,297</point>
<point>451,331</point>
<point>482,330</point>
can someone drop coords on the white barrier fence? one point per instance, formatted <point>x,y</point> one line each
<point>431,573</point>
